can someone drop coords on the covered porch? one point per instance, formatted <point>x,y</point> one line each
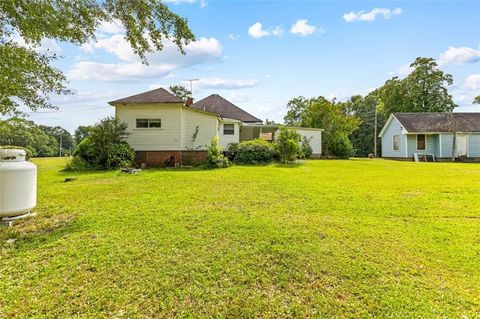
<point>254,131</point>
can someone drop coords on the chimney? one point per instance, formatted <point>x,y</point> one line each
<point>189,101</point>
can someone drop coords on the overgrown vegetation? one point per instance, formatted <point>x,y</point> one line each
<point>104,147</point>
<point>288,145</point>
<point>249,241</point>
<point>350,125</point>
<point>215,158</point>
<point>252,152</point>
<point>41,140</point>
<point>27,76</point>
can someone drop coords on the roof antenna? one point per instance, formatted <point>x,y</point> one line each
<point>191,85</point>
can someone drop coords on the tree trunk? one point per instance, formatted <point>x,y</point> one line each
<point>454,146</point>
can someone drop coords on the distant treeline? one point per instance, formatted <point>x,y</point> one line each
<point>41,140</point>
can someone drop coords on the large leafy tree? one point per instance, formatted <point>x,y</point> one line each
<point>364,109</point>
<point>476,100</point>
<point>27,76</point>
<point>425,89</point>
<point>81,132</point>
<point>331,116</point>
<point>24,133</point>
<point>62,136</point>
<point>180,91</point>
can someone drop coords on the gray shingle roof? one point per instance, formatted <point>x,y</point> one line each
<point>218,105</point>
<point>154,96</point>
<point>438,122</point>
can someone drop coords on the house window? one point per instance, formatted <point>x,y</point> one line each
<point>396,142</point>
<point>149,123</point>
<point>421,142</point>
<point>228,129</point>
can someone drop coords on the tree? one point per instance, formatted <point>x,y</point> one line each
<point>104,148</point>
<point>62,136</point>
<point>180,91</point>
<point>81,132</point>
<point>333,117</point>
<point>27,76</point>
<point>476,100</point>
<point>288,145</point>
<point>20,132</point>
<point>364,108</point>
<point>423,90</point>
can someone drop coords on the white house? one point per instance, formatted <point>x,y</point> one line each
<point>164,130</point>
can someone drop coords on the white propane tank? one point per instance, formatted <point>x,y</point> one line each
<point>18,183</point>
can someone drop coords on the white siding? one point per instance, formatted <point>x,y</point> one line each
<point>394,128</point>
<point>315,138</point>
<point>207,128</point>
<point>166,138</point>
<point>227,139</point>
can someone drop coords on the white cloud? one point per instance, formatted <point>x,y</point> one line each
<point>239,97</point>
<point>256,30</point>
<point>233,36</point>
<point>203,3</point>
<point>46,45</point>
<point>371,15</point>
<point>277,31</point>
<point>472,83</point>
<point>227,84</point>
<point>301,27</point>
<point>116,72</point>
<point>111,27</point>
<point>162,63</point>
<point>459,55</point>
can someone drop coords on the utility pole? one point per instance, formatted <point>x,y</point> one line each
<point>60,146</point>
<point>375,137</point>
<point>191,85</point>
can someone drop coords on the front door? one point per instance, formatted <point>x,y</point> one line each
<point>461,146</point>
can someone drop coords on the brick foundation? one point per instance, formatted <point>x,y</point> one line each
<point>170,158</point>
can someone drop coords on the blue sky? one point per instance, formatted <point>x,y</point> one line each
<point>260,54</point>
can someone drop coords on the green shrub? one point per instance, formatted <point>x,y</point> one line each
<point>14,147</point>
<point>340,146</point>
<point>76,163</point>
<point>88,152</point>
<point>120,155</point>
<point>254,152</point>
<point>288,145</point>
<point>306,148</point>
<point>231,151</point>
<point>215,158</point>
<point>105,147</point>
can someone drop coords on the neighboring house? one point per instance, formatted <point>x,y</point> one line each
<point>407,134</point>
<point>166,131</point>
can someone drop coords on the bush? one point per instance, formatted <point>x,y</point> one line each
<point>14,147</point>
<point>340,146</point>
<point>76,163</point>
<point>105,147</point>
<point>215,158</point>
<point>254,152</point>
<point>120,155</point>
<point>306,148</point>
<point>88,152</point>
<point>231,151</point>
<point>288,145</point>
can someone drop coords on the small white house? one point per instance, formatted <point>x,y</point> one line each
<point>164,130</point>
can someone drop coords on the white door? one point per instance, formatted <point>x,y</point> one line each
<point>461,146</point>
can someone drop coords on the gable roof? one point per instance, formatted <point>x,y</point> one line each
<point>154,96</point>
<point>218,105</point>
<point>436,122</point>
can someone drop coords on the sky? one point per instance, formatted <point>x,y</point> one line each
<point>260,54</point>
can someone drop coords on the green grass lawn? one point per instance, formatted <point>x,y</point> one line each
<point>336,239</point>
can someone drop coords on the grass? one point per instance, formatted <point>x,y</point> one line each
<point>336,239</point>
